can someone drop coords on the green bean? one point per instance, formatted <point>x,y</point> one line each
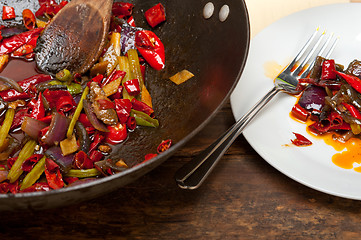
<point>77,112</point>
<point>24,154</point>
<point>143,119</point>
<point>34,174</point>
<point>83,173</point>
<point>4,130</point>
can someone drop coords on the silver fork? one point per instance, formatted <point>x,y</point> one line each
<point>193,173</point>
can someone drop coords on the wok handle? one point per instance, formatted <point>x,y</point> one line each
<point>193,173</point>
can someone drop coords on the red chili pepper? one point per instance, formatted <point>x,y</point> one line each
<point>23,50</point>
<point>301,140</point>
<point>70,180</point>
<point>65,104</point>
<point>151,48</point>
<point>12,43</point>
<point>117,134</point>
<point>155,15</point>
<point>82,161</point>
<point>132,87</point>
<point>83,118</point>
<point>49,7</point>
<point>44,131</point>
<point>98,79</point>
<point>328,70</point>
<point>131,21</point>
<point>141,106</point>
<point>4,187</point>
<point>299,112</point>
<point>56,97</point>
<point>122,9</point>
<point>131,123</point>
<point>29,163</point>
<point>53,174</point>
<point>105,104</point>
<point>98,138</point>
<point>38,187</point>
<point>149,156</point>
<point>28,85</point>
<point>123,107</point>
<point>46,119</point>
<point>164,145</point>
<point>38,110</point>
<point>355,82</point>
<point>118,94</point>
<point>352,110</point>
<point>19,118</point>
<point>95,156</point>
<point>29,19</point>
<point>8,13</point>
<point>10,162</point>
<point>113,76</point>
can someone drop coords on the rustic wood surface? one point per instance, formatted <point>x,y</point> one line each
<point>244,198</point>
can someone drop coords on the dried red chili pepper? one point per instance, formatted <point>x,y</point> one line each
<point>131,21</point>
<point>53,174</point>
<point>355,82</point>
<point>70,180</point>
<point>164,145</point>
<point>54,98</point>
<point>46,119</point>
<point>328,70</point>
<point>27,85</point>
<point>113,76</point>
<point>29,19</point>
<point>98,138</point>
<point>122,9</point>
<point>4,187</point>
<point>19,118</point>
<point>150,156</point>
<point>83,118</point>
<point>10,162</point>
<point>10,44</point>
<point>65,104</point>
<point>132,87</point>
<point>23,50</point>
<point>38,110</point>
<point>155,15</point>
<point>299,112</point>
<point>352,110</point>
<point>123,107</point>
<point>300,140</point>
<point>131,123</point>
<point>82,161</point>
<point>151,48</point>
<point>98,79</point>
<point>38,187</point>
<point>8,13</point>
<point>49,8</point>
<point>116,134</point>
<point>95,156</point>
<point>141,106</point>
<point>29,163</point>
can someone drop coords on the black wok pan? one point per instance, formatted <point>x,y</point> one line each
<point>214,51</point>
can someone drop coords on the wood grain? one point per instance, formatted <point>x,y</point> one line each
<point>244,198</point>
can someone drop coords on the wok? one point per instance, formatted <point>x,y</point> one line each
<point>214,51</point>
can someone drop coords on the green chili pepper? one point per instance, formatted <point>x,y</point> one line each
<point>83,173</point>
<point>77,112</point>
<point>64,75</point>
<point>144,119</point>
<point>56,82</point>
<point>34,174</point>
<point>24,154</point>
<point>74,88</point>
<point>4,130</point>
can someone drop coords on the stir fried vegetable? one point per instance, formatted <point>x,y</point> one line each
<point>58,129</point>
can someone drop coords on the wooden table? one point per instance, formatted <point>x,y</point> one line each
<point>244,198</point>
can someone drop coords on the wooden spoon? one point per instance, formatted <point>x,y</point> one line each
<point>75,37</point>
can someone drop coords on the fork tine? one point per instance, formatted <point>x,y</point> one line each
<point>302,51</point>
<point>319,53</point>
<point>309,55</point>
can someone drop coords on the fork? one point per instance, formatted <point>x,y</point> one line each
<point>193,173</point>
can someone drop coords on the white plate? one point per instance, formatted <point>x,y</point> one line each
<point>272,129</point>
